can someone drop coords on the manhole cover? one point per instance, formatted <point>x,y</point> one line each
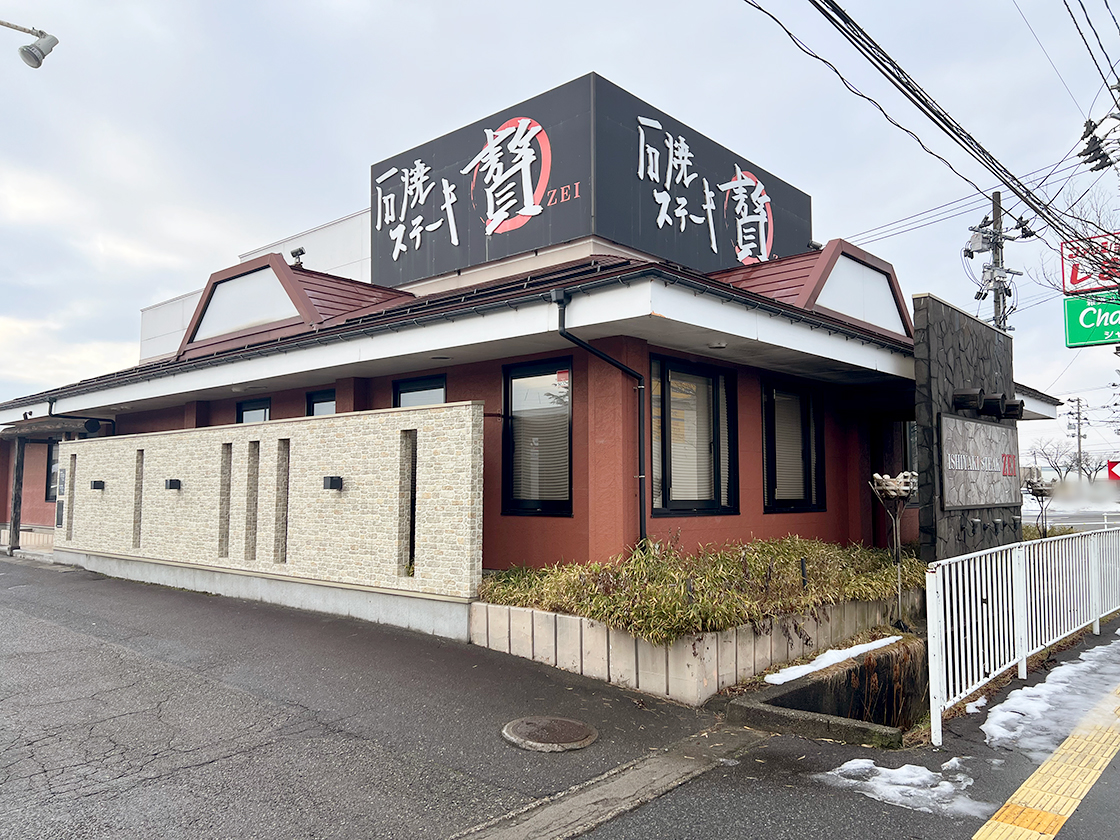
<point>549,734</point>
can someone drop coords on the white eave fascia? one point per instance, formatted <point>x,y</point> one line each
<point>646,295</point>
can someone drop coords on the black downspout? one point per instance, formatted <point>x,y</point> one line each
<point>560,298</point>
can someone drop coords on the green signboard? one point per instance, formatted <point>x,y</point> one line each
<point>1093,319</point>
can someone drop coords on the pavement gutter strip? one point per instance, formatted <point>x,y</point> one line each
<point>581,808</point>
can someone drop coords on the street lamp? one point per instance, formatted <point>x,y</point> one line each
<point>33,54</point>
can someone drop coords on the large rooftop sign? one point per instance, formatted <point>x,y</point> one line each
<point>586,158</point>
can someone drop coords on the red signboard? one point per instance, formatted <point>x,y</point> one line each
<point>1114,470</point>
<point>1091,265</point>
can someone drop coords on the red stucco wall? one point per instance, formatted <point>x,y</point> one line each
<point>604,520</point>
<point>34,509</point>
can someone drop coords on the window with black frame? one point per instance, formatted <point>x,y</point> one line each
<point>52,471</point>
<point>320,403</point>
<point>537,439</point>
<point>693,439</point>
<point>254,411</point>
<point>411,393</point>
<point>793,444</point>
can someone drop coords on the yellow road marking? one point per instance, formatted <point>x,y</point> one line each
<point>1043,803</point>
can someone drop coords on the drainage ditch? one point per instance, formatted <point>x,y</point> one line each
<point>872,699</point>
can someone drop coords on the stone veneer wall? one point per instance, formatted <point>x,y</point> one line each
<point>952,349</point>
<point>252,498</point>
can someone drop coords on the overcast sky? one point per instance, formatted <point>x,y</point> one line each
<point>160,140</point>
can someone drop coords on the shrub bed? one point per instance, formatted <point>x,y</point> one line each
<point>658,593</point>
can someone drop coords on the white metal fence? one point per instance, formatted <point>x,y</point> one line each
<point>991,610</point>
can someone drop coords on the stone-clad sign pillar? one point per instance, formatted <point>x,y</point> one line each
<point>968,448</point>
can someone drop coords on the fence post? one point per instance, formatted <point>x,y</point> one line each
<point>1019,607</point>
<point>1095,581</point>
<point>935,631</point>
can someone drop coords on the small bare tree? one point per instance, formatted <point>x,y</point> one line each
<point>1058,454</point>
<point>1092,214</point>
<point>1092,464</point>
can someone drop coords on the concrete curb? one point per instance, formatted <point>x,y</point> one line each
<point>693,668</point>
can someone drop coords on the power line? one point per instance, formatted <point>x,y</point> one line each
<point>851,87</point>
<point>974,204</point>
<point>1097,35</point>
<point>1089,49</point>
<point>906,85</point>
<point>1048,58</point>
<point>1076,356</point>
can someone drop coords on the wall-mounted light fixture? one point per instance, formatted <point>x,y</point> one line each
<point>97,485</point>
<point>997,524</point>
<point>975,524</point>
<point>1013,410</point>
<point>968,398</point>
<point>34,53</point>
<point>172,484</point>
<point>994,406</point>
<point>332,482</point>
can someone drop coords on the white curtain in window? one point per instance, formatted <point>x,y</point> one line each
<point>655,425</point>
<point>540,419</point>
<point>724,445</point>
<point>693,469</point>
<point>789,453</point>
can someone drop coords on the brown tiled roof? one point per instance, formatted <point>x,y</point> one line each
<point>786,279</point>
<point>333,296</point>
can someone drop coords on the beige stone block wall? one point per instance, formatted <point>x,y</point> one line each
<point>252,498</point>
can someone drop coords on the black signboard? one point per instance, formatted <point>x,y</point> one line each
<point>585,158</point>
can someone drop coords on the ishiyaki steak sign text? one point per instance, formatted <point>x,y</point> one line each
<point>513,182</point>
<point>586,158</point>
<point>979,464</point>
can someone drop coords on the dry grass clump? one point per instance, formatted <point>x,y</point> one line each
<point>659,593</point>
<point>1032,532</point>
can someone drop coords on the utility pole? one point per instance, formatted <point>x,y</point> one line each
<point>999,290</point>
<point>1078,415</point>
<point>995,277</point>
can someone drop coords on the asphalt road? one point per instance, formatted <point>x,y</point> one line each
<point>131,711</point>
<point>135,711</point>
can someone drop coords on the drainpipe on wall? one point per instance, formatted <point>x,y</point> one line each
<point>560,298</point>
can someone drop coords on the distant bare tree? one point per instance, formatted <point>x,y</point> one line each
<point>1092,464</point>
<point>1058,454</point>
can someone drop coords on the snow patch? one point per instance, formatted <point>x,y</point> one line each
<point>1038,718</point>
<point>912,786</point>
<point>976,705</point>
<point>830,657</point>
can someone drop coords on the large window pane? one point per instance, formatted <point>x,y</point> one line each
<point>254,411</point>
<point>538,449</point>
<point>320,403</point>
<point>789,449</point>
<point>690,405</point>
<point>411,393</point>
<point>792,443</point>
<point>693,444</point>
<point>52,471</point>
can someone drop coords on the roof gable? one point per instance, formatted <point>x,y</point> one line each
<point>840,280</point>
<point>265,299</point>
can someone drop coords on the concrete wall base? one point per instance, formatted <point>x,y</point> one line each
<point>693,668</point>
<point>446,617</point>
